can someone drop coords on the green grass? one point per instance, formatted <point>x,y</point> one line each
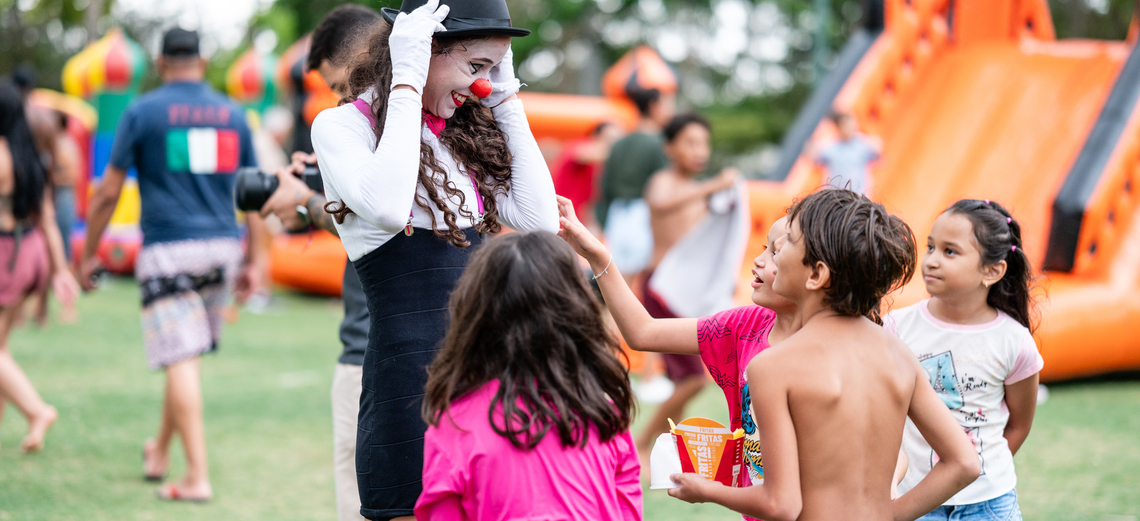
<point>270,438</point>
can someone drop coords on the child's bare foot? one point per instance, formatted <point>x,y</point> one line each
<point>182,491</point>
<point>155,464</point>
<point>38,427</point>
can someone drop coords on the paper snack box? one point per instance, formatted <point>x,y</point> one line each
<point>708,448</point>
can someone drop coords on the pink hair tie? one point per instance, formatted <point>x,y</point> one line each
<point>1009,220</point>
<point>987,202</point>
<point>1013,248</point>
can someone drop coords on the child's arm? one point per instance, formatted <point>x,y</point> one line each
<point>667,197</point>
<point>958,466</point>
<point>641,331</point>
<point>900,472</point>
<point>778,498</point>
<point>1021,399</point>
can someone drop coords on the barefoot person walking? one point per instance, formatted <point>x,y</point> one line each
<point>31,256</point>
<point>187,141</point>
<point>417,172</point>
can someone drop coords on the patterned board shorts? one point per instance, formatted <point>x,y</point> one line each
<point>184,286</point>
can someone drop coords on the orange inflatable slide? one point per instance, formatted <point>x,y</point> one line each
<point>979,100</point>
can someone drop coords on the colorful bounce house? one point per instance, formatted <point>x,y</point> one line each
<point>107,74</point>
<point>977,99</point>
<point>314,262</point>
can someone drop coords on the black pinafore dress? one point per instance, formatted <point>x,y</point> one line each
<point>408,282</point>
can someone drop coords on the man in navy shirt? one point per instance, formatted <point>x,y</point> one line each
<point>186,141</point>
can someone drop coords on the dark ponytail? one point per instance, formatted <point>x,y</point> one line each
<point>998,236</point>
<point>30,177</point>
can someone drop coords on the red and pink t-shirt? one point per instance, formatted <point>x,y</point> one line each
<point>471,472</point>
<point>728,341</point>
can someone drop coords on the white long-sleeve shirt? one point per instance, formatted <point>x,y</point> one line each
<point>379,181</point>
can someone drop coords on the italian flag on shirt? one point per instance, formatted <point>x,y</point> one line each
<point>202,150</point>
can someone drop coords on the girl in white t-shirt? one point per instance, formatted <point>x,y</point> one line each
<point>973,337</point>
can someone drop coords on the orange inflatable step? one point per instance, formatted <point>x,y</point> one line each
<point>310,262</point>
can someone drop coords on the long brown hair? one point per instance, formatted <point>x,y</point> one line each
<point>523,314</point>
<point>471,136</point>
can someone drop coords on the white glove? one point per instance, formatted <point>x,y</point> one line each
<point>410,43</point>
<point>504,84</point>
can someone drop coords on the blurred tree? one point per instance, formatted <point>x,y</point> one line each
<point>1099,19</point>
<point>747,63</point>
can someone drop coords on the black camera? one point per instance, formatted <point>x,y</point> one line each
<point>254,187</point>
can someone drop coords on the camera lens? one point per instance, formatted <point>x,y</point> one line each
<point>252,189</point>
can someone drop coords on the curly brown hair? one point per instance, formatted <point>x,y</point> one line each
<point>868,251</point>
<point>523,314</point>
<point>471,136</point>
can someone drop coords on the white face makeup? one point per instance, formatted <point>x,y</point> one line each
<point>451,73</point>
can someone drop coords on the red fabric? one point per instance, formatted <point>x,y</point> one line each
<point>228,151</point>
<point>435,123</point>
<point>30,272</point>
<point>573,180</point>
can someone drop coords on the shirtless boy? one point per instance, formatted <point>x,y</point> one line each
<point>677,202</point>
<point>831,400</point>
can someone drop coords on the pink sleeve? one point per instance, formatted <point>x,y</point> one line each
<point>442,494</point>
<point>628,480</point>
<point>716,341</point>
<point>1029,362</point>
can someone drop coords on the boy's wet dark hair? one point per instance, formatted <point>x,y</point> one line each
<point>998,238</point>
<point>680,121</point>
<point>868,251</point>
<point>523,314</point>
<point>337,27</point>
<point>643,99</point>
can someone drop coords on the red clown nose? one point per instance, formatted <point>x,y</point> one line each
<point>481,88</point>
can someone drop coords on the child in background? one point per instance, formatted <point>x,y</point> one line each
<point>726,341</point>
<point>831,401</point>
<point>973,338</point>
<point>848,159</point>
<point>677,203</point>
<point>528,407</point>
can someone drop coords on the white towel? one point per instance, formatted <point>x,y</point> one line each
<point>699,274</point>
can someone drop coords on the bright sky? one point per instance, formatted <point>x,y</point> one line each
<point>221,23</point>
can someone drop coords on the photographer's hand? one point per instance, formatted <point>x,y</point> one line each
<point>291,193</point>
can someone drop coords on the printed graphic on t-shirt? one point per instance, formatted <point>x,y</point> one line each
<point>943,377</point>
<point>752,457</point>
<point>728,340</point>
<point>202,150</point>
<point>711,329</point>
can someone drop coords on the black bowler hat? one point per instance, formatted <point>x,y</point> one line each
<point>468,17</point>
<point>180,42</point>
